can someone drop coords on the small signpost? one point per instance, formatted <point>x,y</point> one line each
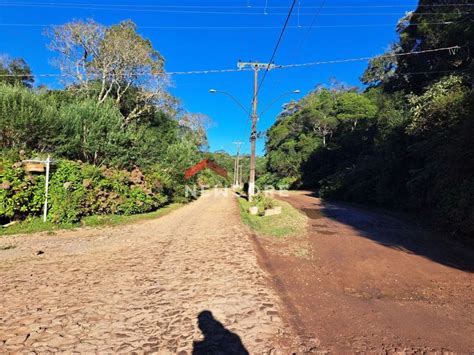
<point>39,166</point>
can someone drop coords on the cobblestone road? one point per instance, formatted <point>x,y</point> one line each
<point>187,280</point>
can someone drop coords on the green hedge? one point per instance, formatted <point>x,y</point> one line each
<point>78,190</point>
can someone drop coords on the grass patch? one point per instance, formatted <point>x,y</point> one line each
<point>33,225</point>
<point>112,220</point>
<point>36,224</point>
<point>289,223</point>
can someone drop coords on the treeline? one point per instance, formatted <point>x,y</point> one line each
<point>406,141</point>
<point>113,116</point>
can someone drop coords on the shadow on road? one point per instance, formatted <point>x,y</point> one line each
<point>395,233</point>
<point>217,339</point>
<point>391,231</point>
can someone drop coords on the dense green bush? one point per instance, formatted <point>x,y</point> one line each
<point>20,194</point>
<point>78,190</point>
<point>27,120</point>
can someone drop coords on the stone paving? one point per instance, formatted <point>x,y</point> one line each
<point>145,287</point>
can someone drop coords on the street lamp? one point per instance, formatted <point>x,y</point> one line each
<point>297,91</point>
<point>254,116</point>
<point>214,91</point>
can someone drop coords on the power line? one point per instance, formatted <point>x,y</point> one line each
<point>179,10</point>
<point>313,21</point>
<point>276,48</point>
<point>237,27</point>
<point>337,61</point>
<point>372,6</point>
<point>284,66</point>
<point>164,6</point>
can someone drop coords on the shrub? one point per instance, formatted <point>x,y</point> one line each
<point>263,202</point>
<point>21,194</point>
<point>67,193</point>
<point>77,190</point>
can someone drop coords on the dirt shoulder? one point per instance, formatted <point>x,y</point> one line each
<point>366,281</point>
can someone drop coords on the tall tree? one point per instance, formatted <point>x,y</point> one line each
<point>111,62</point>
<point>15,71</point>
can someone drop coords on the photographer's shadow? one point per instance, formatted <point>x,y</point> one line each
<point>217,339</point>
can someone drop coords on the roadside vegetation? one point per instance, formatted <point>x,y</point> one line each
<point>36,224</point>
<point>120,141</point>
<point>289,223</point>
<point>405,141</point>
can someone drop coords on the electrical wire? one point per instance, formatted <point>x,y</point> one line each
<point>451,49</point>
<point>313,21</point>
<point>171,10</point>
<point>237,27</point>
<point>152,6</point>
<point>337,61</point>
<point>277,45</point>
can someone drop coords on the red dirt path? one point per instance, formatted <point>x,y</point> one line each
<point>366,281</point>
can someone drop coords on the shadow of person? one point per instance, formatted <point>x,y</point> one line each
<point>217,339</point>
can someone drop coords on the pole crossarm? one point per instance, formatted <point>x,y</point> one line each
<point>255,66</point>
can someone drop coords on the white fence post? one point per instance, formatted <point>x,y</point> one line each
<point>46,186</point>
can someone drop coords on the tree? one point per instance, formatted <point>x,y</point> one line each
<point>15,71</point>
<point>93,133</point>
<point>431,26</point>
<point>27,120</point>
<point>77,44</point>
<point>110,62</point>
<point>380,68</point>
<point>194,127</point>
<point>439,107</point>
<point>353,107</point>
<point>319,112</point>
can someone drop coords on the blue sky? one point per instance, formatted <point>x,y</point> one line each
<point>343,29</point>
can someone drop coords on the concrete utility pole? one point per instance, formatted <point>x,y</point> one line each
<point>236,164</point>
<point>240,176</point>
<point>255,66</point>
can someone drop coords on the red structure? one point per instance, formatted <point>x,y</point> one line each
<point>203,164</point>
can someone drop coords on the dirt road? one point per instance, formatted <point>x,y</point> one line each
<point>366,281</point>
<point>188,281</point>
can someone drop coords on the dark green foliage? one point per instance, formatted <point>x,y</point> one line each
<point>323,122</point>
<point>80,129</point>
<point>78,190</point>
<point>412,149</point>
<point>20,193</point>
<point>27,120</point>
<point>86,137</point>
<point>91,133</point>
<point>425,29</point>
<point>15,72</point>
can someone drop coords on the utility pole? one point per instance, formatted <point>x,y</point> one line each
<point>236,164</point>
<point>240,176</point>
<point>255,66</point>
